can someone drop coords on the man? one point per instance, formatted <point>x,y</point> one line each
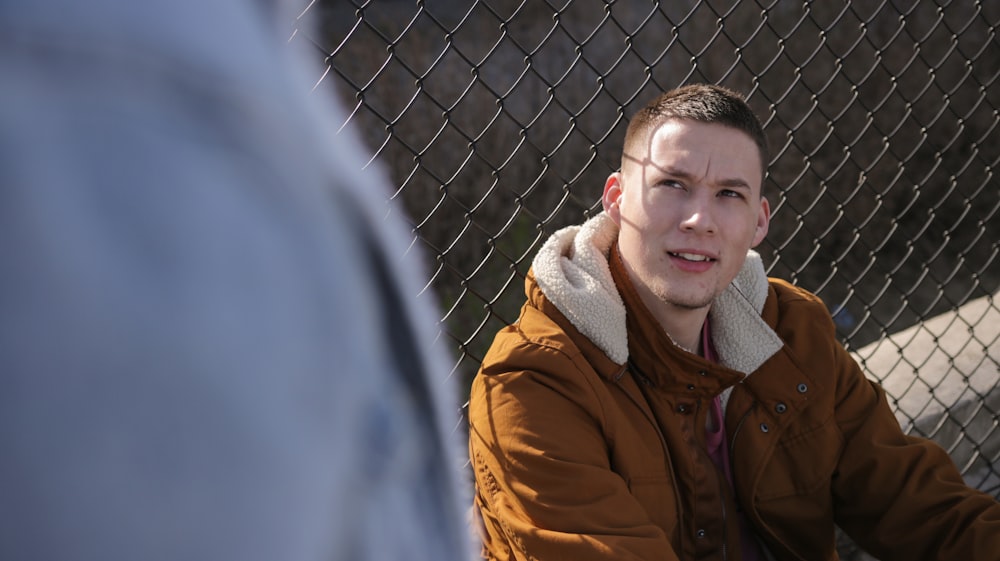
<point>209,348</point>
<point>661,398</point>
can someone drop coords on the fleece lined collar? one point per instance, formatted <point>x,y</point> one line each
<point>572,270</point>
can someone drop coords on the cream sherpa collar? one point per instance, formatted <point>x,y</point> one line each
<point>572,270</point>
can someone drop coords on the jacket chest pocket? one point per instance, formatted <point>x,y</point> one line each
<point>802,463</point>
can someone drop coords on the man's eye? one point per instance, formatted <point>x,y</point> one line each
<point>730,193</point>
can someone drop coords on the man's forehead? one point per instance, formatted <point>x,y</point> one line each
<point>682,143</point>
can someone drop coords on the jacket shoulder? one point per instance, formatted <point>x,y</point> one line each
<point>539,356</point>
<point>800,318</point>
<point>785,299</point>
<point>535,342</point>
<point>787,293</point>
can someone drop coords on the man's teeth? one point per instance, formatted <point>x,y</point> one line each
<point>692,256</point>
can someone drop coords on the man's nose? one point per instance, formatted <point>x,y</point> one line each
<point>698,215</point>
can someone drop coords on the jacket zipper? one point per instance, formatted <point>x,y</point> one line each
<point>722,497</point>
<point>725,516</point>
<point>720,475</point>
<point>732,449</point>
<point>732,440</point>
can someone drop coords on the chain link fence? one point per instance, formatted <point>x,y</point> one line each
<point>499,121</point>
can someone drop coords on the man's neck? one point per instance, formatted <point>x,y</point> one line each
<point>682,325</point>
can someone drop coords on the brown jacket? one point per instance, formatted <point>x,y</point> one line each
<point>587,430</point>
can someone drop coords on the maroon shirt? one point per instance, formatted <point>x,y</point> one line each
<point>715,438</point>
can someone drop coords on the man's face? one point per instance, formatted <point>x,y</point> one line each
<point>689,207</point>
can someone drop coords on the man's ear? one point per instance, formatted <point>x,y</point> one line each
<point>612,197</point>
<point>763,221</point>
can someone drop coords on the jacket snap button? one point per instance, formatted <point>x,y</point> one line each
<point>781,408</point>
<point>802,388</point>
<point>700,533</point>
<point>763,427</point>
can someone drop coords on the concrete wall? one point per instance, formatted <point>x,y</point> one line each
<point>943,379</point>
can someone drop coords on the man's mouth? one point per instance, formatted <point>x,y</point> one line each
<point>690,256</point>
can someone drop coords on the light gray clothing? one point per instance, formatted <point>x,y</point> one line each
<point>210,345</point>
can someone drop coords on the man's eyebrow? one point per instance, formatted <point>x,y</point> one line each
<point>676,172</point>
<point>735,183</point>
<point>729,182</point>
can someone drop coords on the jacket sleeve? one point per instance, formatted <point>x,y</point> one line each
<point>545,488</point>
<point>899,496</point>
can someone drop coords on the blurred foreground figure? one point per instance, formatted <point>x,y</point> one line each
<point>209,348</point>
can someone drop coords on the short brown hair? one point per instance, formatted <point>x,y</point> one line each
<point>699,102</point>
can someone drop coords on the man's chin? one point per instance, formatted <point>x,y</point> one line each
<point>690,305</point>
<point>690,302</point>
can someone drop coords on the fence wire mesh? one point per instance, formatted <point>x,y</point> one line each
<point>499,121</point>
